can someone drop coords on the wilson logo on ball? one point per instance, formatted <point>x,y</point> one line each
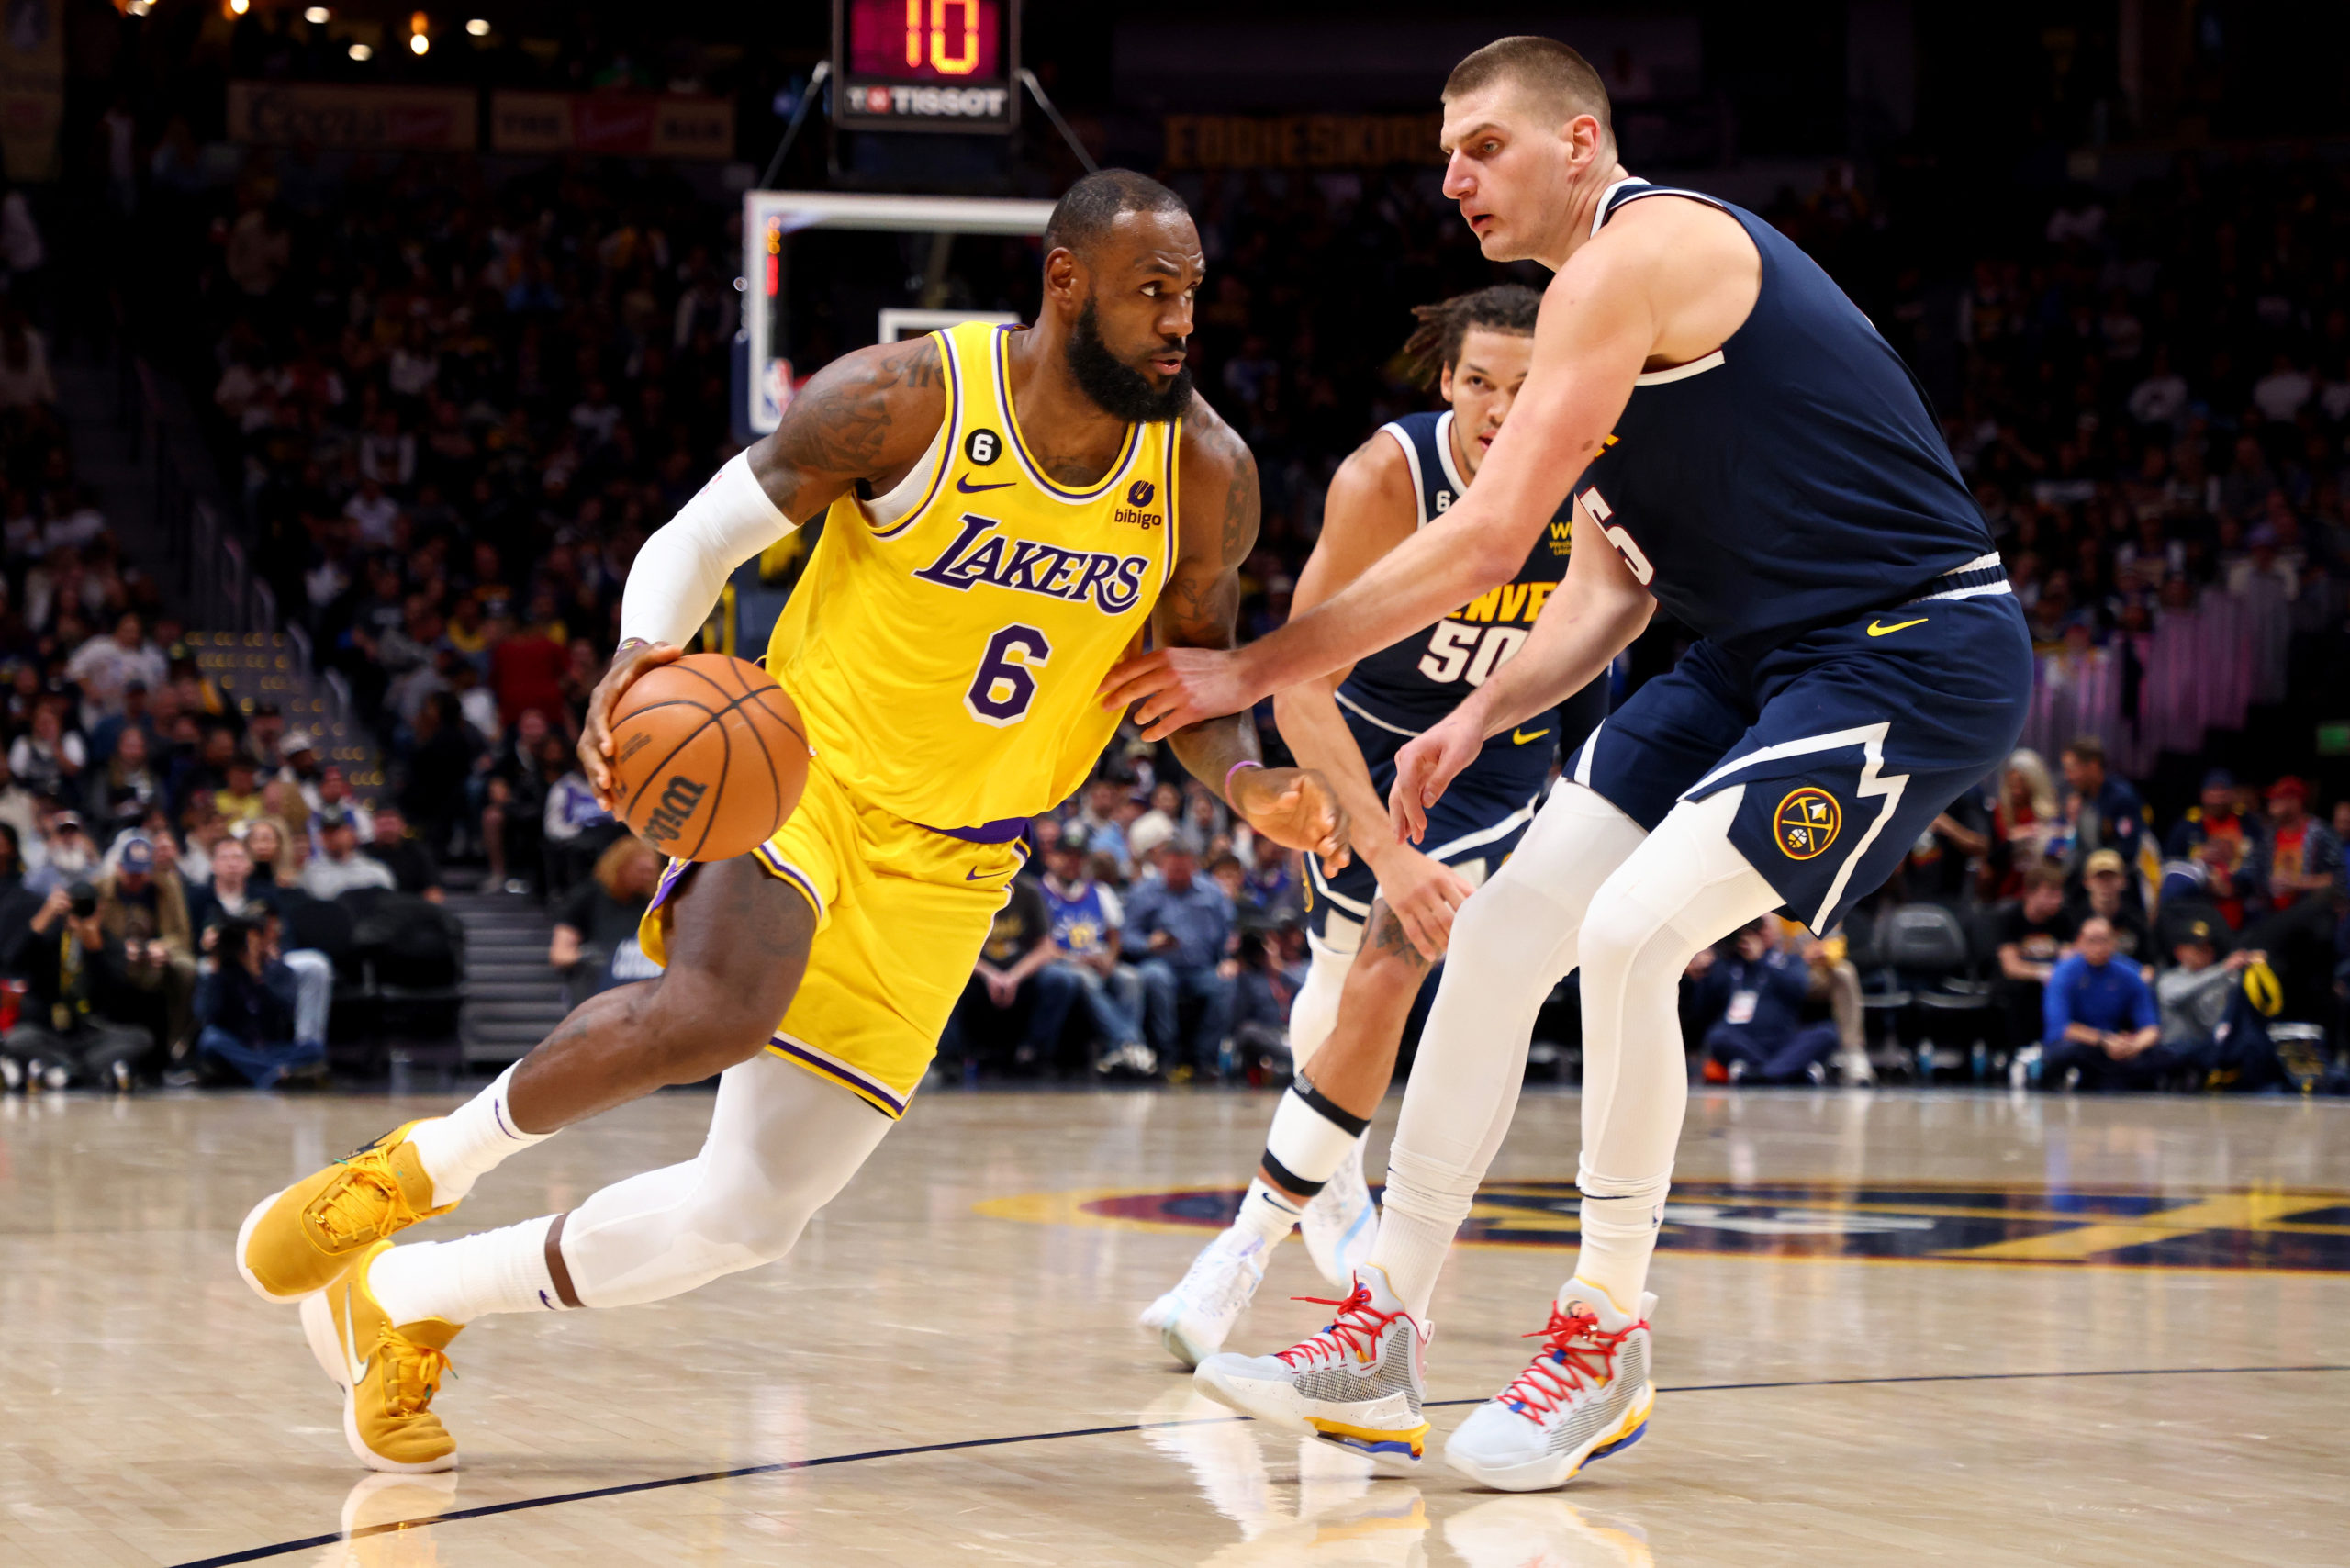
<point>678,800</point>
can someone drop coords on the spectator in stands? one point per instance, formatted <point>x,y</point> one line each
<point>1158,822</point>
<point>595,946</point>
<point>125,788</point>
<point>2101,1026</point>
<point>144,905</point>
<point>1275,890</point>
<point>1178,926</point>
<point>342,867</point>
<point>575,825</point>
<point>247,1007</point>
<point>1750,995</point>
<point>25,379</point>
<point>2105,812</point>
<point>67,854</point>
<point>1103,834</point>
<point>333,793</point>
<point>48,757</point>
<point>2210,848</point>
<point>77,977</point>
<point>2034,933</point>
<point>413,868</point>
<point>2206,1023</point>
<point>276,856</point>
<point>1262,990</point>
<point>1016,991</point>
<point>233,893</point>
<point>105,666</point>
<point>2109,894</point>
<point>18,807</point>
<point>2304,858</point>
<point>1086,916</point>
<point>438,763</point>
<point>238,799</point>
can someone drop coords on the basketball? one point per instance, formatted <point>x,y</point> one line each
<point>708,757</point>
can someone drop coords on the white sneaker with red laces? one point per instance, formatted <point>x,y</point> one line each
<point>1357,1384</point>
<point>1586,1395</point>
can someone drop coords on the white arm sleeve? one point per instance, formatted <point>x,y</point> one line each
<point>675,578</point>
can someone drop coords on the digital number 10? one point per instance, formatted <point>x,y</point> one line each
<point>965,58</point>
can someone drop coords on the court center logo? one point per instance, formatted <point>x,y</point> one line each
<point>2261,1229</point>
<point>1807,822</point>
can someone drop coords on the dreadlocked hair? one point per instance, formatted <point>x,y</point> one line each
<point>1434,346</point>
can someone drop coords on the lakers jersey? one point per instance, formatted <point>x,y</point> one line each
<point>946,662</point>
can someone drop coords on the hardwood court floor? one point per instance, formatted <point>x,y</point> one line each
<point>1897,1328</point>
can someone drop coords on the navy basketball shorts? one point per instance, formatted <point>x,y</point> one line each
<point>1471,829</point>
<point>1849,741</point>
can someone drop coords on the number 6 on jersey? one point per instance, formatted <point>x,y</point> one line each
<point>1005,685</point>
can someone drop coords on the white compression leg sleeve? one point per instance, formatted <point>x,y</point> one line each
<point>782,1143</point>
<point>1511,943</point>
<point>1313,1012</point>
<point>1686,887</point>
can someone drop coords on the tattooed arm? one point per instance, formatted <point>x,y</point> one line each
<point>870,416</point>
<point>1200,609</point>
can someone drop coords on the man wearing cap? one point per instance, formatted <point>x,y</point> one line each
<point>1178,925</point>
<point>74,975</point>
<point>2207,1019</point>
<point>2101,1020</point>
<point>142,905</point>
<point>2304,858</point>
<point>2108,895</point>
<point>339,867</point>
<point>2204,857</point>
<point>298,757</point>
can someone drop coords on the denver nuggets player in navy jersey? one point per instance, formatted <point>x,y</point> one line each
<point>1767,467</point>
<point>1376,924</point>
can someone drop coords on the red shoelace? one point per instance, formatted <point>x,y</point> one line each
<point>1576,1353</point>
<point>1356,1319</point>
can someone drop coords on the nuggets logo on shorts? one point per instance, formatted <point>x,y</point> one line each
<point>1807,822</point>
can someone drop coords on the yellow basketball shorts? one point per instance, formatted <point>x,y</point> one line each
<point>901,912</point>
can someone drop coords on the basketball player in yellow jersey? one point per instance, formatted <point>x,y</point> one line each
<point>1007,513</point>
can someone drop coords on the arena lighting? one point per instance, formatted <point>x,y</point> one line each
<point>140,7</point>
<point>478,27</point>
<point>317,15</point>
<point>361,52</point>
<point>239,7</point>
<point>418,44</point>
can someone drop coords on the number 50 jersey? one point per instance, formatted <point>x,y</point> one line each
<point>946,658</point>
<point>1408,686</point>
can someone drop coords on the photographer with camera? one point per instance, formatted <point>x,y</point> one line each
<point>245,1004</point>
<point>77,982</point>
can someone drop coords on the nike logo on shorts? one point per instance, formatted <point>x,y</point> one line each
<point>1521,737</point>
<point>1879,629</point>
<point>964,484</point>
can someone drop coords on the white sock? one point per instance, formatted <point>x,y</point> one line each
<point>1264,1213</point>
<point>1411,1246</point>
<point>1310,1136</point>
<point>467,1144</point>
<point>1619,1225</point>
<point>496,1271</point>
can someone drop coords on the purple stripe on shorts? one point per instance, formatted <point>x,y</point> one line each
<point>1007,830</point>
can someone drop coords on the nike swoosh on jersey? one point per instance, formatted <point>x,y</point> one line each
<point>1521,737</point>
<point>1879,629</point>
<point>965,484</point>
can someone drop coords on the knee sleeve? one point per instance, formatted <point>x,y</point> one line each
<point>1685,887</point>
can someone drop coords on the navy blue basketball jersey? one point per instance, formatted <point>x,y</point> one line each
<point>1409,685</point>
<point>1790,479</point>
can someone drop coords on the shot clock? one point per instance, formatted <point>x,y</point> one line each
<point>926,64</point>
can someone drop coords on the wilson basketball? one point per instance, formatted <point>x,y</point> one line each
<point>708,757</point>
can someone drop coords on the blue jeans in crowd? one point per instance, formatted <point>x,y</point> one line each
<point>1785,1061</point>
<point>262,1062</point>
<point>1113,1003</point>
<point>1165,987</point>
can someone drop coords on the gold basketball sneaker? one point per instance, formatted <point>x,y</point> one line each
<point>298,1240</point>
<point>388,1373</point>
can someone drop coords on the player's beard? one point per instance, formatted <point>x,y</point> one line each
<point>1122,391</point>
